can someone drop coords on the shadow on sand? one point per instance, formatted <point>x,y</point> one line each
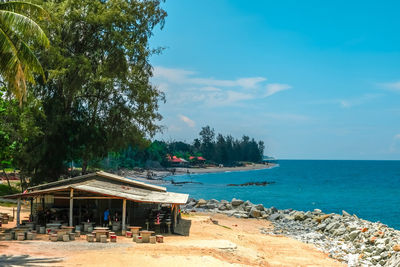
<point>26,260</point>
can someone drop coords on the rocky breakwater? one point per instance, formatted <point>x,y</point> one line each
<point>345,237</point>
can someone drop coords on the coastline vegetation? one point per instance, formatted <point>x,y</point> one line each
<point>216,150</point>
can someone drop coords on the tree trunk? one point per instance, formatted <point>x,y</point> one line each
<point>84,166</point>
<point>8,180</point>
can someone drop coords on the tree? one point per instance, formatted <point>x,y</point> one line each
<point>207,141</point>
<point>20,128</point>
<point>98,97</point>
<point>19,33</point>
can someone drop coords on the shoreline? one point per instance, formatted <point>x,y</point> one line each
<point>158,176</point>
<point>250,167</point>
<point>344,237</point>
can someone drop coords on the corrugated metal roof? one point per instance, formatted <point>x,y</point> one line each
<point>105,175</point>
<point>114,189</point>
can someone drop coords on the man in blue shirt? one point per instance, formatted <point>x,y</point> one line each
<point>106,217</point>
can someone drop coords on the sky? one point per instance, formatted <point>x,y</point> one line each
<point>312,79</point>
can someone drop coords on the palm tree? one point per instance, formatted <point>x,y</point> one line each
<point>19,33</point>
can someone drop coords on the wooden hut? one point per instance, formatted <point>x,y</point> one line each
<point>85,198</point>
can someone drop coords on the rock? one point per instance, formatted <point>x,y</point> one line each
<point>396,247</point>
<point>248,203</point>
<point>228,206</point>
<point>317,211</point>
<point>201,202</point>
<point>274,217</point>
<point>332,226</point>
<point>222,207</point>
<point>260,207</point>
<point>345,214</point>
<point>322,218</point>
<point>273,210</point>
<point>353,235</point>
<point>255,213</point>
<point>211,206</point>
<point>299,216</point>
<point>236,202</point>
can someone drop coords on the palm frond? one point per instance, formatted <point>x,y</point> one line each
<point>27,8</point>
<point>24,26</point>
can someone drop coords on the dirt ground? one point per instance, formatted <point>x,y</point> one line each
<point>231,242</point>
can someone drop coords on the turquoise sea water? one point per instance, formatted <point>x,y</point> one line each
<point>369,189</point>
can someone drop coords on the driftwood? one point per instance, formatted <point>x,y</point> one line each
<point>185,182</point>
<point>264,183</point>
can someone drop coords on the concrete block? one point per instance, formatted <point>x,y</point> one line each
<point>53,237</point>
<point>90,238</point>
<point>103,239</point>
<point>71,236</point>
<point>65,238</point>
<point>21,236</point>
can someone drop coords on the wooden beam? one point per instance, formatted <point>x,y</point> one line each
<point>18,211</point>
<point>123,213</point>
<point>71,206</point>
<point>57,197</point>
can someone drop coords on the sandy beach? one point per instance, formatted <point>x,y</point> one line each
<point>248,167</point>
<point>233,242</point>
<point>156,176</point>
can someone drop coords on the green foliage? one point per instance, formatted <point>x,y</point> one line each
<point>224,150</point>
<point>19,33</point>
<point>6,190</point>
<point>98,96</point>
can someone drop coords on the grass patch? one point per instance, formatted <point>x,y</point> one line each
<point>7,204</point>
<point>6,190</point>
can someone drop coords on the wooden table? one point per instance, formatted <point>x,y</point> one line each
<point>100,231</point>
<point>60,233</point>
<point>135,229</point>
<point>53,225</point>
<point>146,236</point>
<point>68,228</point>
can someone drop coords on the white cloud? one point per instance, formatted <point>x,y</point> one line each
<point>180,76</point>
<point>274,88</point>
<point>394,86</point>
<point>185,87</point>
<point>348,103</point>
<point>186,120</point>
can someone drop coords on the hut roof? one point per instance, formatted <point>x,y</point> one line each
<point>106,184</point>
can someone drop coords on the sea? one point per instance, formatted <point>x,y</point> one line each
<point>368,189</point>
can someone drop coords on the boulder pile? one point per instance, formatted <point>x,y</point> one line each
<point>344,237</point>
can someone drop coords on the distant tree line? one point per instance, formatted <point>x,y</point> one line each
<point>216,149</point>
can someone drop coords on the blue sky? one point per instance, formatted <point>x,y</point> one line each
<point>312,79</point>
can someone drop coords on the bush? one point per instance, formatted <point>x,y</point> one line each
<point>6,190</point>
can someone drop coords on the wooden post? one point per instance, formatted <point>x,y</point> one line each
<point>18,211</point>
<point>71,206</point>
<point>123,213</point>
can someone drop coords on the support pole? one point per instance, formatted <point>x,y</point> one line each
<point>18,211</point>
<point>71,206</point>
<point>123,213</point>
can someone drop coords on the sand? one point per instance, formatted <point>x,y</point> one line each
<point>233,242</point>
<point>248,167</point>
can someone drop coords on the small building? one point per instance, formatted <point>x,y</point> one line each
<point>84,198</point>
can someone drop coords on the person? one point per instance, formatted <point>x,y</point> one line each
<point>106,217</point>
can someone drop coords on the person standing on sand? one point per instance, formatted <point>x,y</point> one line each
<point>106,217</point>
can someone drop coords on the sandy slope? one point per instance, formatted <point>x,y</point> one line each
<point>234,242</point>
